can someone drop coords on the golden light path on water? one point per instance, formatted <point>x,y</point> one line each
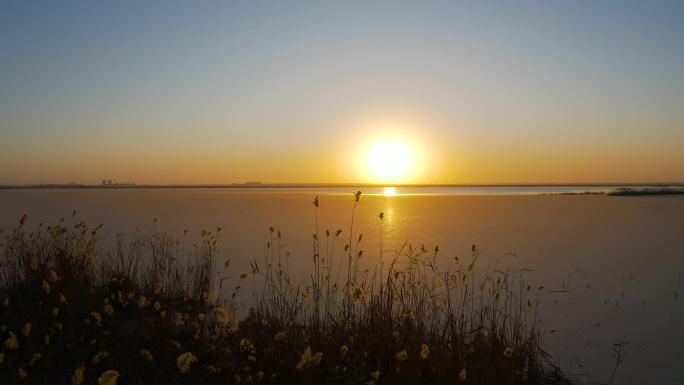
<point>386,191</point>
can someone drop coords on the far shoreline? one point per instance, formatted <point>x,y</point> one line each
<point>256,185</point>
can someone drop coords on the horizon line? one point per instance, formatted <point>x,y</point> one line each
<point>313,185</point>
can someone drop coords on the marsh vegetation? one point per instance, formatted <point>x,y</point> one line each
<point>150,308</point>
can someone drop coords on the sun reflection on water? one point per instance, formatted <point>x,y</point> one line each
<point>389,191</point>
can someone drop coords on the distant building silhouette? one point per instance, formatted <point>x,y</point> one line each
<point>110,183</point>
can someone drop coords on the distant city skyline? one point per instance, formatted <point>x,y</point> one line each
<point>482,92</point>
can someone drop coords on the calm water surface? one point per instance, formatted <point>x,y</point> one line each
<point>617,263</point>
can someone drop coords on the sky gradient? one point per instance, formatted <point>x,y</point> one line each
<point>162,92</point>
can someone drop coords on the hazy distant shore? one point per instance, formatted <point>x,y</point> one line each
<point>257,185</point>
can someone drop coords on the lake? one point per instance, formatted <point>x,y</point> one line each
<point>612,267</point>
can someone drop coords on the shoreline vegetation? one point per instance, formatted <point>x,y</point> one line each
<point>153,309</point>
<point>646,192</point>
<point>630,191</point>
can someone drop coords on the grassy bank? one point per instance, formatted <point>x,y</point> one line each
<point>630,191</point>
<point>152,309</point>
<point>647,191</point>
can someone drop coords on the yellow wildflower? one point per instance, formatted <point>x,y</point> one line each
<point>179,319</point>
<point>207,297</point>
<point>157,306</point>
<point>108,309</point>
<point>200,316</point>
<point>401,356</point>
<point>247,346</point>
<point>306,358</point>
<point>162,313</point>
<point>158,287</point>
<point>35,357</point>
<point>99,356</point>
<point>26,330</point>
<point>142,301</point>
<point>11,342</point>
<point>34,264</point>
<point>52,276</point>
<point>46,287</point>
<point>280,336</point>
<point>259,375</point>
<point>424,351</point>
<point>375,374</point>
<point>97,317</point>
<point>146,355</point>
<point>344,349</point>
<point>317,358</point>
<point>234,327</point>
<point>108,378</point>
<point>462,374</point>
<point>508,352</point>
<point>356,294</point>
<point>184,361</point>
<point>79,376</point>
<point>222,314</point>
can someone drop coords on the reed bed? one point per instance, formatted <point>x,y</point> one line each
<point>153,309</point>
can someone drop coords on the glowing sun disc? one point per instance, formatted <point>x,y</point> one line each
<point>389,159</point>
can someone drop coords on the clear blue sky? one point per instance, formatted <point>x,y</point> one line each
<point>218,92</point>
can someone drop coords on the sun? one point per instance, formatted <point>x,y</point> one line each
<point>390,153</point>
<point>390,160</point>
